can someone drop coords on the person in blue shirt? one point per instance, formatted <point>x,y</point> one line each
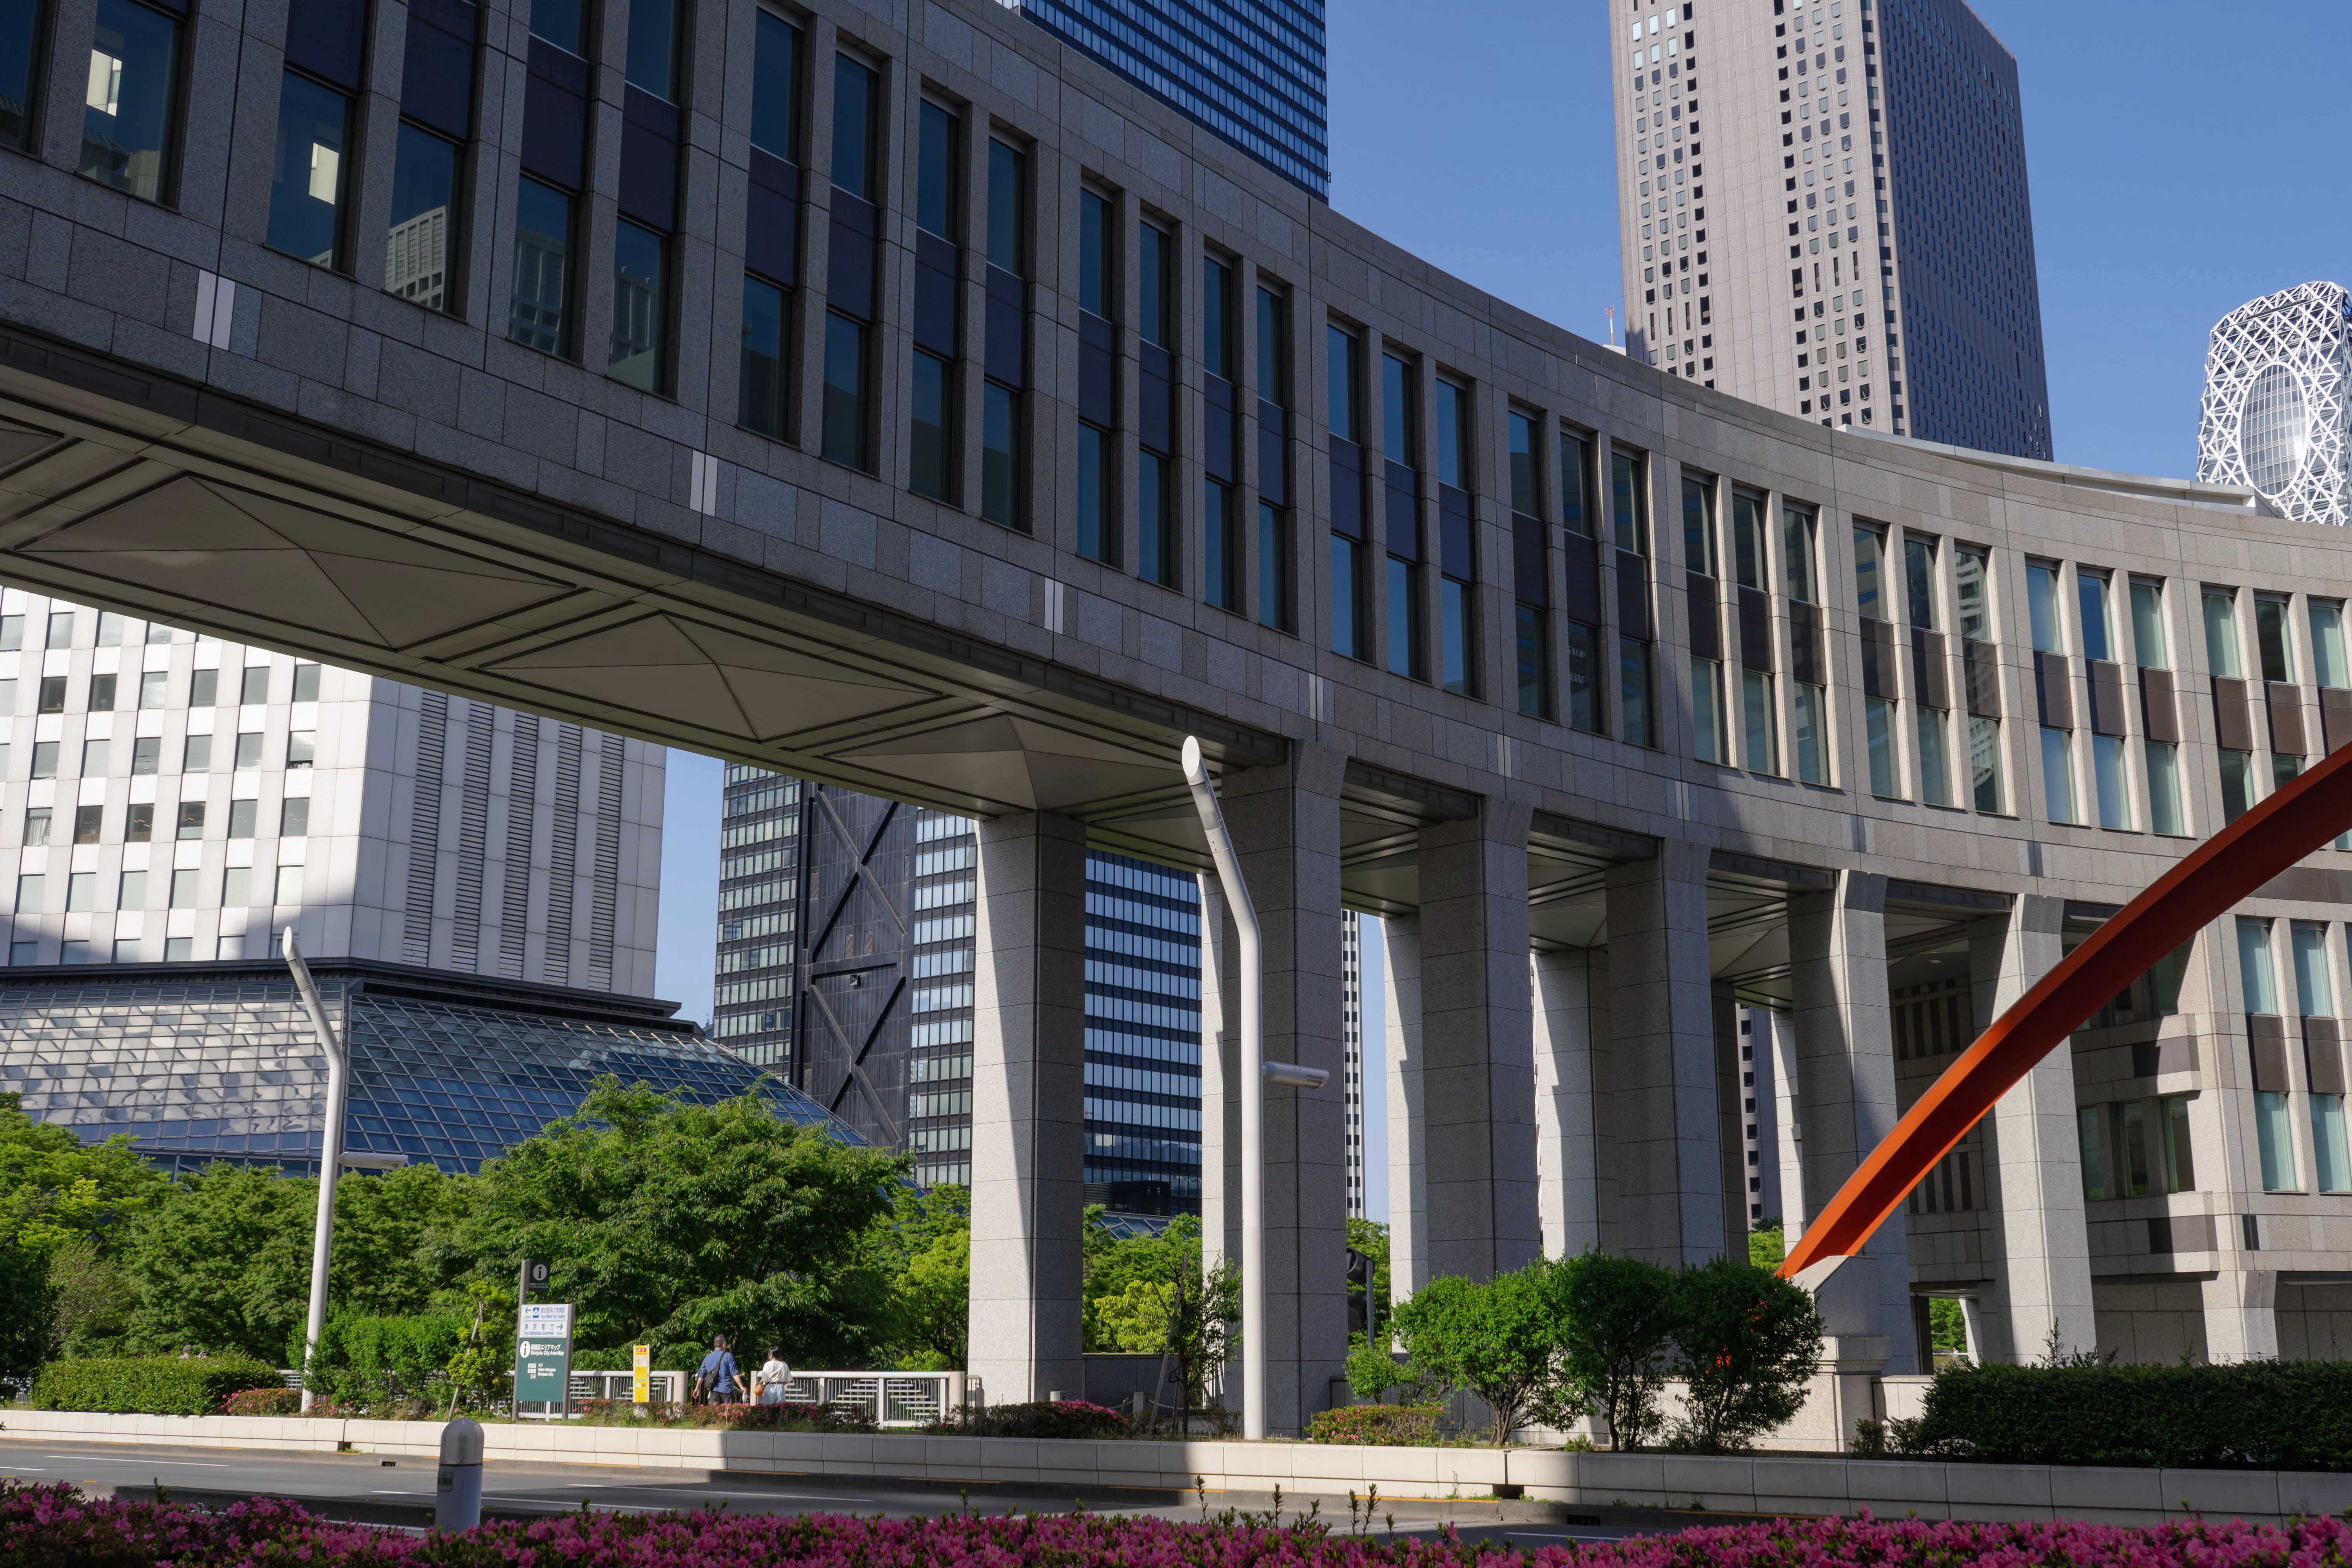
<point>720,1385</point>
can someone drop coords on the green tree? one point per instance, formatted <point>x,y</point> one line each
<point>1748,1343</point>
<point>225,1265</point>
<point>27,1308</point>
<point>1768,1245</point>
<point>224,1262</point>
<point>1148,1294</point>
<point>1947,1324</point>
<point>668,1222</point>
<point>56,1186</point>
<point>1498,1339</point>
<point>1616,1316</point>
<point>933,1304</point>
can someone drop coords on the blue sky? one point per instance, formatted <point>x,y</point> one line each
<point>2183,158</point>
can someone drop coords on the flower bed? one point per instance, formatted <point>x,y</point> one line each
<point>51,1526</point>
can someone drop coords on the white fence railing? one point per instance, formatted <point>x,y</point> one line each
<point>661,1388</point>
<point>884,1398</point>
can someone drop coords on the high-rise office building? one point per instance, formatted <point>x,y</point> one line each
<point>183,798</point>
<point>2278,402</point>
<point>1250,70</point>
<point>845,940</point>
<point>1832,218</point>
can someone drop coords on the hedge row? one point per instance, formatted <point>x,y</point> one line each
<point>2280,1414</point>
<point>50,1527</point>
<point>150,1384</point>
<point>1382,1425</point>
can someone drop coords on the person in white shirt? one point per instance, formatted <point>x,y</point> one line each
<point>775,1376</point>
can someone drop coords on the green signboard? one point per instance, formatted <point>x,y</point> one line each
<point>543,1354</point>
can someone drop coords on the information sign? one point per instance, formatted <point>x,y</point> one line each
<point>543,1354</point>
<point>641,1364</point>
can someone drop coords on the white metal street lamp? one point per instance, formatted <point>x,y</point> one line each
<point>330,1152</point>
<point>1256,1072</point>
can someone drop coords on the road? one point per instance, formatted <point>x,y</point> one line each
<point>364,1486</point>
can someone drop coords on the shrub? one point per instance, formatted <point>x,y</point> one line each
<point>1497,1338</point>
<point>1387,1426</point>
<point>262,1402</point>
<point>370,1362</point>
<point>150,1385</point>
<point>2280,1414</point>
<point>50,1527</point>
<point>1616,1315</point>
<point>1749,1344</point>
<point>785,1417</point>
<point>1042,1419</point>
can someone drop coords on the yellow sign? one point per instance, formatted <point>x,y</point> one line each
<point>641,1362</point>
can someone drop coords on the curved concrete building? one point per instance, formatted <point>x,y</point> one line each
<point>955,423</point>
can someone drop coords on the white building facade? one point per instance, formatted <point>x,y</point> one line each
<point>173,798</point>
<point>2276,413</point>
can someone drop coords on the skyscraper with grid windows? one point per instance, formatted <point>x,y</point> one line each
<point>1250,70</point>
<point>1823,206</point>
<point>846,930</point>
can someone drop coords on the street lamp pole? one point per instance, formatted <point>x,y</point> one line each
<point>330,1152</point>
<point>1253,967</point>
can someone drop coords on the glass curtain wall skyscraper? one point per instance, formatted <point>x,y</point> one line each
<point>847,936</point>
<point>1823,208</point>
<point>1250,70</point>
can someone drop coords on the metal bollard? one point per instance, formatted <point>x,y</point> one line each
<point>457,1491</point>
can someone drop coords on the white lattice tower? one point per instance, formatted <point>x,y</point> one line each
<point>2307,329</point>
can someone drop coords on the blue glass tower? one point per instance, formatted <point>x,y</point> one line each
<point>1250,70</point>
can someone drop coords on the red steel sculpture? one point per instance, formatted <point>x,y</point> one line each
<point>2229,867</point>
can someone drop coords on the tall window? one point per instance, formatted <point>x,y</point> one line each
<point>1457,546</point>
<point>1155,532</point>
<point>1870,573</point>
<point>929,420</point>
<point>1402,533</point>
<point>1097,528</point>
<point>856,90</point>
<point>1807,701</point>
<point>2091,598</point>
<point>1629,531</point>
<point>1273,593</point>
<point>2150,649</point>
<point>540,314</point>
<point>307,172</point>
<point>2269,637</point>
<point>1155,278</point>
<point>759,399</point>
<point>2058,776</point>
<point>844,435</point>
<point>2091,1139</point>
<point>653,47</point>
<point>1000,454</point>
<point>2260,987</point>
<point>20,73</point>
<point>1972,588</point>
<point>129,113</point>
<point>1931,725</point>
<point>420,249</point>
<point>2327,652</point>
<point>1217,319</point>
<point>1710,725</point>
<point>640,307</point>
<point>2221,634</point>
<point>1221,565</point>
<point>1273,567</point>
<point>1531,572</point>
<point>1582,650</point>
<point>775,84</point>
<point>1008,239</point>
<point>1351,635</point>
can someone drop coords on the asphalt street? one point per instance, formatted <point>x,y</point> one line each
<point>400,1492</point>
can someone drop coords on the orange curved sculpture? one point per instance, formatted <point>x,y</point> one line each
<point>2223,871</point>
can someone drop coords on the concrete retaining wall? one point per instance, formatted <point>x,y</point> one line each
<point>1099,1471</point>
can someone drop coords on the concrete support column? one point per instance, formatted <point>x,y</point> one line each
<point>1842,1042</point>
<point>1028,1113</point>
<point>1286,827</point>
<point>2241,1298</point>
<point>2033,1163</point>
<point>2240,1308</point>
<point>1571,1037</point>
<point>1662,1051</point>
<point>1408,1129</point>
<point>1478,1062</point>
